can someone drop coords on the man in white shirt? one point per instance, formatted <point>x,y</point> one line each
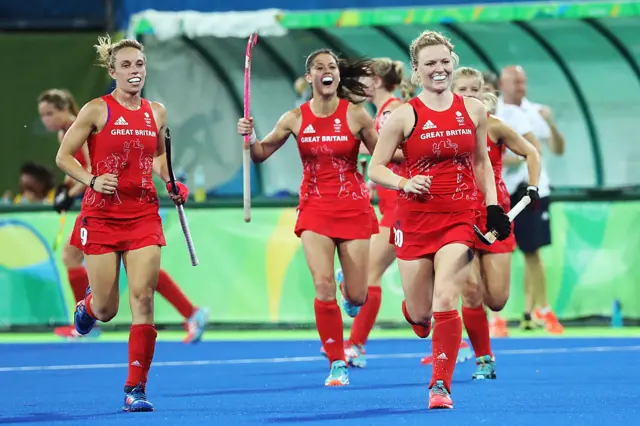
<point>531,228</point>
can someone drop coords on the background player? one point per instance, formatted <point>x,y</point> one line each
<point>119,218</point>
<point>334,210</point>
<point>444,140</point>
<point>388,77</point>
<point>58,110</point>
<point>490,276</point>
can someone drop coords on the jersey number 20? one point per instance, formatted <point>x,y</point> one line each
<point>398,237</point>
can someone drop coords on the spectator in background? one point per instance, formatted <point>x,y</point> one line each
<point>531,227</point>
<point>36,185</point>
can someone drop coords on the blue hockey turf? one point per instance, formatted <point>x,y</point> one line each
<point>548,382</point>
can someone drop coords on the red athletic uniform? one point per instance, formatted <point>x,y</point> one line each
<point>387,197</point>
<point>334,200</point>
<point>80,157</point>
<point>128,219</point>
<point>440,146</point>
<point>496,152</point>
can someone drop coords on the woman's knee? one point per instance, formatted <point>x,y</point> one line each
<point>141,300</point>
<point>105,311</point>
<point>72,257</point>
<point>419,313</point>
<point>325,286</point>
<point>356,294</point>
<point>445,300</point>
<point>496,301</point>
<point>472,293</point>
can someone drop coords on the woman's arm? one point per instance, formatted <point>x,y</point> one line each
<point>261,150</point>
<point>518,145</point>
<point>395,130</point>
<point>76,137</point>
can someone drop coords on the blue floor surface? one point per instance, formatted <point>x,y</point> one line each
<point>544,382</point>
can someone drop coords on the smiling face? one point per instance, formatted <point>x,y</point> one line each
<point>129,69</point>
<point>469,86</point>
<point>434,67</point>
<point>323,74</point>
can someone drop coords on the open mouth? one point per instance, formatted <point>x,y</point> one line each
<point>439,77</point>
<point>134,80</point>
<point>327,80</point>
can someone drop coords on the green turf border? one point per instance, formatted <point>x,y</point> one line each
<point>271,335</point>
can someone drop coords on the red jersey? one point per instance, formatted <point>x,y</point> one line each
<point>125,147</point>
<point>496,151</point>
<point>381,116</point>
<point>329,153</point>
<point>81,159</point>
<point>440,146</point>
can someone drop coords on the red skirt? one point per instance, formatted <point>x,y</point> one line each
<point>338,224</point>
<point>100,235</point>
<point>387,203</point>
<point>420,234</point>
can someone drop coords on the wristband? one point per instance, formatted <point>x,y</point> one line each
<point>93,181</point>
<point>253,139</point>
<point>532,187</point>
<point>402,184</point>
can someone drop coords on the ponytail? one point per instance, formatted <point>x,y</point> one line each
<point>407,90</point>
<point>71,102</point>
<point>351,87</point>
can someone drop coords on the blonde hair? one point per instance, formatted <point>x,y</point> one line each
<point>61,99</point>
<point>428,38</point>
<point>107,50</point>
<point>489,100</point>
<point>392,75</point>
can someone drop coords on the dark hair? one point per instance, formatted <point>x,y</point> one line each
<point>490,78</point>
<point>350,87</point>
<point>60,99</point>
<point>40,172</point>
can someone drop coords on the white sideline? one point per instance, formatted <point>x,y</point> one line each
<point>506,352</point>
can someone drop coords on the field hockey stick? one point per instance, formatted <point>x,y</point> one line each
<point>58,240</point>
<point>179,208</point>
<point>491,236</point>
<point>246,154</point>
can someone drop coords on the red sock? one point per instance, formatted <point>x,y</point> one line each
<point>366,318</point>
<point>170,291</point>
<point>477,325</point>
<point>445,344</point>
<point>79,281</point>
<point>87,305</point>
<point>421,330</point>
<point>142,345</point>
<point>329,323</point>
